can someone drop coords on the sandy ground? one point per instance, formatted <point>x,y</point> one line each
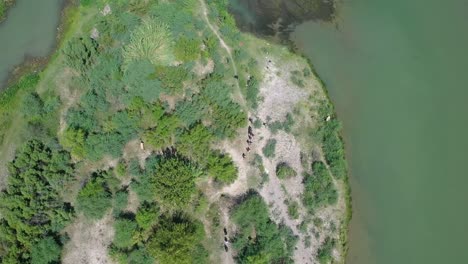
<point>89,241</point>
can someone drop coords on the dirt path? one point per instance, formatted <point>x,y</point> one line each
<point>238,94</point>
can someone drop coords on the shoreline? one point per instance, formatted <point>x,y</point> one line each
<point>35,64</point>
<point>7,6</point>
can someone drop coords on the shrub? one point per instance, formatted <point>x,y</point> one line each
<point>46,251</point>
<point>284,171</point>
<point>95,198</point>
<point>293,210</point>
<point>325,254</point>
<point>80,53</point>
<point>124,233</point>
<point>269,149</point>
<point>152,40</point>
<point>222,168</point>
<point>174,180</point>
<point>259,238</point>
<point>177,240</point>
<point>319,187</point>
<point>187,49</point>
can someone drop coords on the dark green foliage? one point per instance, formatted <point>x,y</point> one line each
<point>259,238</point>
<point>319,187</point>
<point>174,180</point>
<point>80,53</point>
<point>191,110</point>
<point>284,171</point>
<point>285,125</point>
<point>325,254</point>
<point>147,216</point>
<point>162,136</point>
<point>221,167</point>
<point>195,143</point>
<point>95,198</point>
<point>140,256</point>
<point>125,231</point>
<point>253,87</point>
<point>79,118</point>
<point>177,240</point>
<point>140,80</point>
<point>269,149</point>
<point>171,77</point>
<point>46,251</point>
<point>120,201</point>
<point>333,148</point>
<point>33,106</point>
<point>187,49</point>
<point>32,205</point>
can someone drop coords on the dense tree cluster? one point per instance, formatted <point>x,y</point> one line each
<point>32,208</point>
<point>259,239</point>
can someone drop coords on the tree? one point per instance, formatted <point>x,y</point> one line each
<point>95,198</point>
<point>176,240</point>
<point>80,53</point>
<point>222,168</point>
<point>33,106</point>
<point>31,205</point>
<point>45,251</point>
<point>174,180</point>
<point>270,243</point>
<point>125,231</point>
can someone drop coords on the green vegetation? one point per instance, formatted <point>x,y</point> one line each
<point>259,240</point>
<point>324,253</point>
<point>332,145</point>
<point>174,180</point>
<point>32,207</point>
<point>95,198</point>
<point>293,209</point>
<point>269,149</point>
<point>151,40</point>
<point>4,5</point>
<point>140,80</point>
<point>319,187</point>
<point>284,171</point>
<point>286,125</point>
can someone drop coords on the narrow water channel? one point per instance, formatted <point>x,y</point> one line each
<point>29,31</point>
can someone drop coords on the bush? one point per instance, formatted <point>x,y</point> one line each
<point>80,53</point>
<point>259,238</point>
<point>319,187</point>
<point>325,254</point>
<point>46,251</point>
<point>269,149</point>
<point>95,198</point>
<point>177,240</point>
<point>284,171</point>
<point>293,209</point>
<point>187,49</point>
<point>174,180</point>
<point>152,40</point>
<point>222,168</point>
<point>125,231</point>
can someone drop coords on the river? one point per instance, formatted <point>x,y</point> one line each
<point>396,71</point>
<point>29,31</point>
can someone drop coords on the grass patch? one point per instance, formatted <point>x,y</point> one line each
<point>269,149</point>
<point>284,171</point>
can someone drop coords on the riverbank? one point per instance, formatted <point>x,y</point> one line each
<point>37,63</point>
<point>5,5</point>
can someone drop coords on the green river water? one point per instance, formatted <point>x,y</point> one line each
<point>28,31</point>
<point>397,74</point>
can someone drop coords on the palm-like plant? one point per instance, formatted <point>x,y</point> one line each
<point>151,40</point>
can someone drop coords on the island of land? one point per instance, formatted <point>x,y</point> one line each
<point>160,133</point>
